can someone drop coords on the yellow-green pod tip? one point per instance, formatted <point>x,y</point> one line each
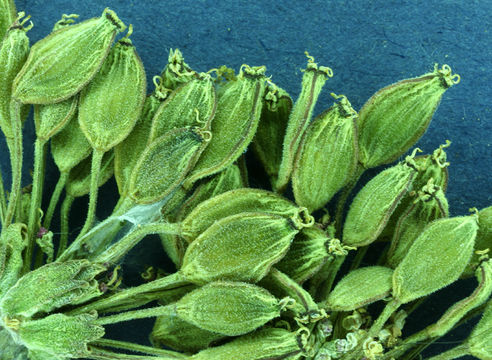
<point>114,19</point>
<point>447,77</point>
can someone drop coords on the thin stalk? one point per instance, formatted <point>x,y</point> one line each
<point>64,229</point>
<point>3,201</point>
<point>15,149</point>
<point>137,314</point>
<point>456,352</point>
<point>55,197</point>
<point>388,310</point>
<point>97,156</point>
<point>123,345</point>
<point>36,198</point>
<point>126,296</point>
<point>115,252</point>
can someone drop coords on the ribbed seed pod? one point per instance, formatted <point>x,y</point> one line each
<point>226,180</point>
<point>62,284</point>
<point>13,240</point>
<point>174,332</point>
<point>7,16</point>
<point>240,247</point>
<point>307,254</point>
<point>269,137</point>
<point>176,72</point>
<point>374,204</point>
<point>13,54</point>
<point>235,122</point>
<point>268,343</point>
<point>192,104</point>
<point>480,340</point>
<point>395,117</point>
<point>483,240</point>
<point>312,82</point>
<point>456,312</point>
<point>62,63</point>
<point>282,286</point>
<point>436,259</point>
<point>50,119</point>
<point>70,146</point>
<point>127,152</point>
<point>360,287</point>
<point>235,202</point>
<point>430,204</point>
<point>165,163</point>
<point>112,103</point>
<point>59,336</point>
<point>228,308</point>
<point>327,156</point>
<point>79,178</point>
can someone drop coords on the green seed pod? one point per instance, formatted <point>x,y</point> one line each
<point>327,156</point>
<point>394,118</point>
<point>165,163</point>
<point>430,204</point>
<point>374,204</point>
<point>235,202</point>
<point>312,82</point>
<point>177,334</point>
<point>307,254</point>
<point>433,167</point>
<point>235,122</point>
<point>483,242</point>
<point>282,286</point>
<point>268,343</point>
<point>360,287</point>
<point>55,285</point>
<point>436,259</point>
<point>79,178</point>
<point>480,340</point>
<point>62,63</point>
<point>127,152</point>
<point>10,349</point>
<point>456,312</point>
<point>267,144</point>
<point>176,72</point>
<point>60,336</point>
<point>70,146</point>
<point>228,308</point>
<point>192,104</point>
<point>50,119</point>
<point>13,240</point>
<point>226,180</point>
<point>240,247</point>
<point>13,54</point>
<point>111,104</point>
<point>8,15</point>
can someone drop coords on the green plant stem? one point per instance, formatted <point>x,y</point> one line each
<point>64,229</point>
<point>123,345</point>
<point>115,252</point>
<point>126,296</point>
<point>97,156</point>
<point>456,352</point>
<point>55,197</point>
<point>15,149</point>
<point>137,314</point>
<point>36,198</point>
<point>325,287</point>
<point>388,310</point>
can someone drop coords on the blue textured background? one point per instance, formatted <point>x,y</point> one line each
<point>368,44</point>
